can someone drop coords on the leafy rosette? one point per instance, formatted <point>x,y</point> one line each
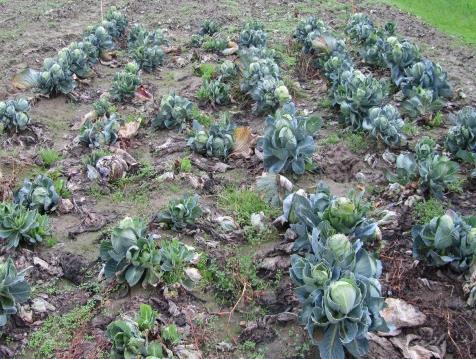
<point>428,75</point>
<point>14,289</point>
<point>20,224</point>
<point>39,194</point>
<point>148,57</point>
<point>356,95</point>
<point>324,46</point>
<point>253,35</point>
<point>180,213</point>
<point>175,111</point>
<point>117,22</point>
<point>359,28</point>
<point>100,38</point>
<point>227,70</point>
<point>131,255</point>
<point>14,114</point>
<point>328,214</point>
<point>54,79</point>
<point>305,27</point>
<point>215,92</point>
<point>385,124</point>
<point>399,55</point>
<point>434,172</point>
<point>449,240</point>
<point>334,67</point>
<point>421,103</point>
<point>287,143</point>
<point>437,173</point>
<point>461,137</point>
<point>218,141</point>
<point>130,337</point>
<point>125,83</point>
<point>209,27</point>
<point>269,94</point>
<point>257,70</point>
<point>100,133</point>
<point>338,287</point>
<point>76,60</point>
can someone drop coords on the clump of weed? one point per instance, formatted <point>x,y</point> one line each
<point>48,157</point>
<point>424,211</point>
<point>243,203</point>
<point>58,330</point>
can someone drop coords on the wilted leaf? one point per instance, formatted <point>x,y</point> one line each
<point>129,129</point>
<point>25,79</point>
<point>142,94</point>
<point>244,141</point>
<point>232,48</point>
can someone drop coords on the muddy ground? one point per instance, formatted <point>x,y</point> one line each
<point>33,30</point>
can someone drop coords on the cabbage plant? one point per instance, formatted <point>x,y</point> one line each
<point>209,27</point>
<point>359,28</point>
<point>255,70</point>
<point>104,107</point>
<point>39,194</point>
<point>14,114</point>
<point>140,36</point>
<point>356,95</point>
<point>428,75</point>
<point>305,28</point>
<point>385,124</point>
<point>180,213</point>
<point>333,69</point>
<point>174,111</point>
<point>252,35</point>
<point>287,143</point>
<point>399,55</point>
<point>461,137</point>
<point>131,255</point>
<point>176,257</point>
<point>100,38</point>
<point>14,289</point>
<point>227,70</point>
<point>338,287</point>
<point>218,141</point>
<point>125,83</point>
<point>434,172</point>
<point>148,57</point>
<point>18,223</point>
<point>421,103</point>
<point>117,22</point>
<point>87,48</point>
<point>448,240</point>
<point>215,92</point>
<point>130,337</point>
<point>54,79</point>
<point>76,60</point>
<point>329,214</point>
<point>102,132</point>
